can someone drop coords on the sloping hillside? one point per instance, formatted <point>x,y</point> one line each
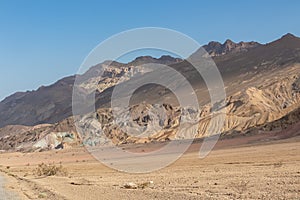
<point>262,83</point>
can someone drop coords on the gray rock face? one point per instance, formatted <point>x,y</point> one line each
<point>218,49</point>
<point>296,85</point>
<point>51,104</point>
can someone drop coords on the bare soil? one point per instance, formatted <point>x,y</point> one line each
<point>246,167</point>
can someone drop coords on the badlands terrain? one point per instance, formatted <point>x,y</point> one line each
<point>44,144</point>
<point>262,84</point>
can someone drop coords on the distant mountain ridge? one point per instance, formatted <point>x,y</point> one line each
<point>51,104</point>
<point>164,59</point>
<point>217,49</point>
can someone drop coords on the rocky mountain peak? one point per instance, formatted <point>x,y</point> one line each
<point>218,49</point>
<point>164,59</point>
<point>287,41</point>
<point>288,35</point>
<point>229,42</point>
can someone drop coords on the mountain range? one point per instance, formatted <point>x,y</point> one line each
<point>262,83</point>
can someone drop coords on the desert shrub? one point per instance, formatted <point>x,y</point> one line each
<point>50,170</point>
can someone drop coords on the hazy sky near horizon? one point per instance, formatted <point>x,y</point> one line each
<point>42,41</point>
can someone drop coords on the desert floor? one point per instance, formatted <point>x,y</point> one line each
<point>257,168</point>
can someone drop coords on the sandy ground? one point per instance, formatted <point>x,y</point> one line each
<point>6,193</point>
<point>249,170</point>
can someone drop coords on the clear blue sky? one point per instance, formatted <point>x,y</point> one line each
<point>44,40</point>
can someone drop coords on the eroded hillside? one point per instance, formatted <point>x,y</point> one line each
<point>262,83</point>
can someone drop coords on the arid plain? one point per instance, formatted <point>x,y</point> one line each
<point>246,167</point>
